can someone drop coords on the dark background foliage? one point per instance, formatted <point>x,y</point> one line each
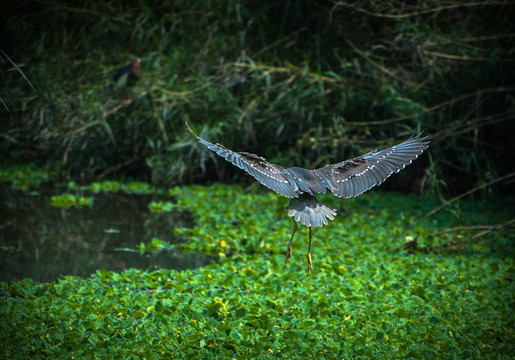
<point>303,83</point>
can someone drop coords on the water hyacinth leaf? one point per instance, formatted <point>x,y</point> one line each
<point>420,291</point>
<point>240,312</point>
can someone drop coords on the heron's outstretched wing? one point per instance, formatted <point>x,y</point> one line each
<point>352,177</point>
<point>268,174</point>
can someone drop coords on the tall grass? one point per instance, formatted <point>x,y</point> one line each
<point>302,83</point>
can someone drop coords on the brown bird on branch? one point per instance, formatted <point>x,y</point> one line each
<point>126,76</point>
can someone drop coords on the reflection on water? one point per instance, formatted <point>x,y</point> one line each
<point>43,242</point>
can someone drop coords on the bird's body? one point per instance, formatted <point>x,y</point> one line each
<point>126,75</point>
<point>346,179</point>
<point>309,211</point>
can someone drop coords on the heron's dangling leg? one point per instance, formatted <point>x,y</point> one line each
<point>310,265</point>
<point>288,251</point>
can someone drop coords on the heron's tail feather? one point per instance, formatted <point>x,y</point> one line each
<point>307,210</point>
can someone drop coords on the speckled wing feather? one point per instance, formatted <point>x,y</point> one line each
<point>353,177</point>
<point>268,174</point>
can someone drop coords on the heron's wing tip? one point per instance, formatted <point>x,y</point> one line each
<point>188,129</point>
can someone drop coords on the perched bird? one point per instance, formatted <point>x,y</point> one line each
<point>126,76</point>
<point>345,179</point>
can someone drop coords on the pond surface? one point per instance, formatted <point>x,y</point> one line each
<point>43,242</point>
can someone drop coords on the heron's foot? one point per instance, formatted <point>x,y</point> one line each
<point>310,264</point>
<point>288,255</point>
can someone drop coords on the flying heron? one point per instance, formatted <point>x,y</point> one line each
<point>345,179</point>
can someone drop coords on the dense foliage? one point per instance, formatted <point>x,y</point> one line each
<point>303,83</point>
<point>365,299</point>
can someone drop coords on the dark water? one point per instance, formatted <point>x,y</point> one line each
<point>43,242</point>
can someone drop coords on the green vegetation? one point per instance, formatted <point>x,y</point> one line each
<point>154,246</point>
<point>365,299</point>
<point>160,206</point>
<point>67,200</point>
<point>23,177</point>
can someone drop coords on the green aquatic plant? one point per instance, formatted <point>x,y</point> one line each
<point>365,299</point>
<point>25,176</point>
<point>105,186</point>
<point>130,187</point>
<point>154,246</point>
<point>67,200</point>
<point>160,206</point>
